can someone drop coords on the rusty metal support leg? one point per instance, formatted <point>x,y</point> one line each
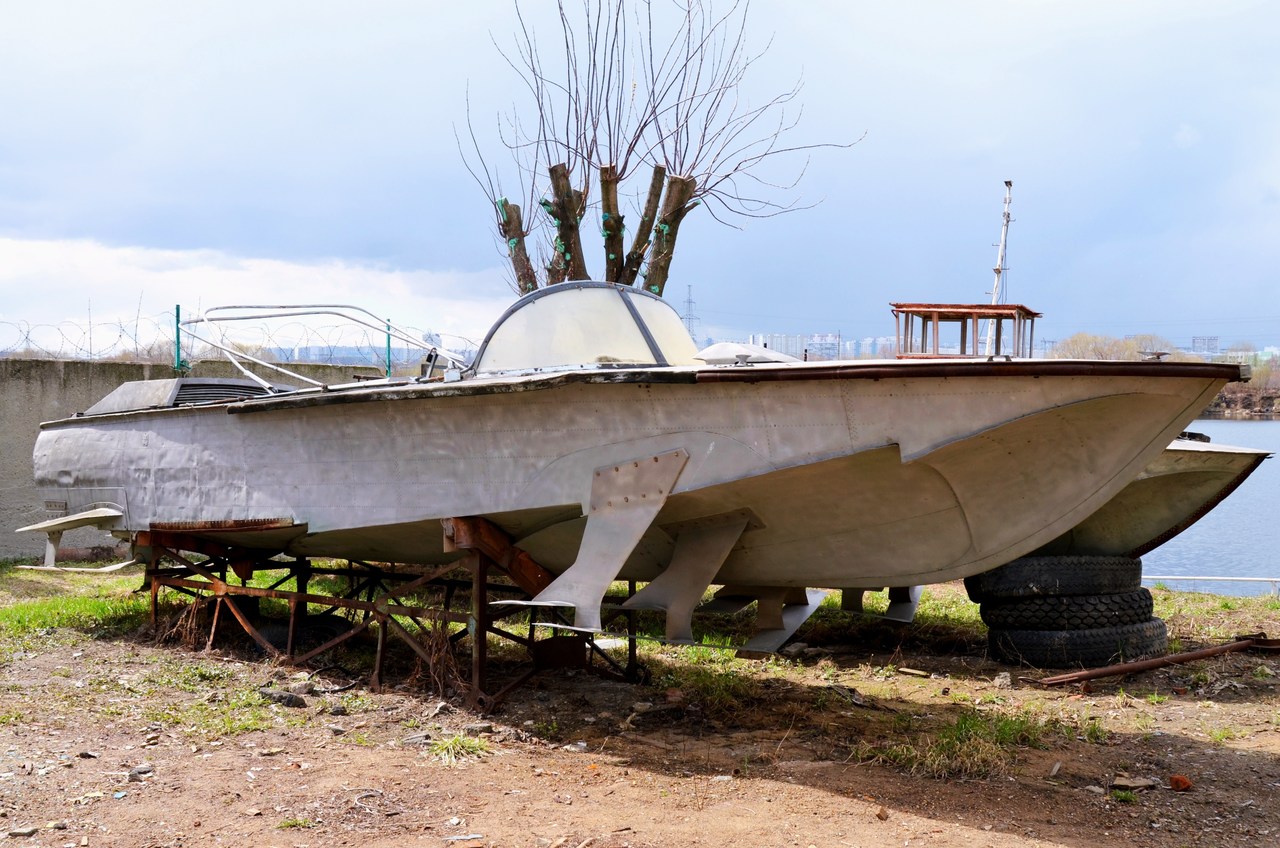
<point>375,681</point>
<point>479,625</point>
<point>155,595</point>
<point>633,659</point>
<point>292,639</point>
<point>249,628</point>
<point>213,628</point>
<point>301,572</point>
<point>153,579</point>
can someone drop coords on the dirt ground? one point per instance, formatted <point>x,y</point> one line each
<point>115,741</point>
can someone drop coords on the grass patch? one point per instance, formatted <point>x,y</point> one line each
<point>1222,735</point>
<point>716,680</point>
<point>1094,733</point>
<point>239,711</point>
<point>547,729</point>
<point>974,745</point>
<point>450,751</point>
<point>188,677</point>
<point>1196,617</point>
<point>946,620</point>
<point>1124,796</point>
<point>110,615</point>
<point>287,824</point>
<point>354,702</point>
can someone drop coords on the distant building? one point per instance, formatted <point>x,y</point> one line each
<point>1204,344</point>
<point>821,346</point>
<point>792,345</point>
<point>873,347</point>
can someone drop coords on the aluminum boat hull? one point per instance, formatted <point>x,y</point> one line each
<point>853,474</point>
<point>1187,480</point>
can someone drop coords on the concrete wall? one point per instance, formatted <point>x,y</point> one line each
<point>36,390</point>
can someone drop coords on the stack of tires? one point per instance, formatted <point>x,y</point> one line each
<point>1068,611</point>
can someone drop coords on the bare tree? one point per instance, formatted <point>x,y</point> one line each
<point>651,90</point>
<point>1141,346</point>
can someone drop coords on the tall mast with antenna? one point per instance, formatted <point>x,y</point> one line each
<point>1000,260</point>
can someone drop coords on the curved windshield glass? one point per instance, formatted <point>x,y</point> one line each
<point>667,329</point>
<point>583,325</point>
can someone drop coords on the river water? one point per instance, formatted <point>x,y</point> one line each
<point>1241,536</point>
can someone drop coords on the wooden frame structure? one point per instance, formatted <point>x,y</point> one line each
<point>925,329</point>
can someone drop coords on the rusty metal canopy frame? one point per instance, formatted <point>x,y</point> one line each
<point>919,329</point>
<point>414,605</point>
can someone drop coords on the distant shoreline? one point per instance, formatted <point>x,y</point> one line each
<point>1243,400</point>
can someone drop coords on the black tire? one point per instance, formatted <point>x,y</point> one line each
<point>1074,648</point>
<point>1032,577</point>
<point>1069,612</point>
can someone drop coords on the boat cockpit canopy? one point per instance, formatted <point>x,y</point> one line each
<point>586,325</point>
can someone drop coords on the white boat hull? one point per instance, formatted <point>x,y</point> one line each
<point>1181,485</point>
<point>854,474</point>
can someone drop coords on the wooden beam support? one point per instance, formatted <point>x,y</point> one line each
<point>473,533</point>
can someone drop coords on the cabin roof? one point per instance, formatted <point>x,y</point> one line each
<point>964,310</point>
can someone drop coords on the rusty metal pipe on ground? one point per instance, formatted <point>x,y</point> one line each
<point>1256,641</point>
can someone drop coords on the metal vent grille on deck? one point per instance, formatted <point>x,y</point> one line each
<point>191,393</point>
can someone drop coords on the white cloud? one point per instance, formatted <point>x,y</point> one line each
<point>54,289</point>
<point>302,131</point>
<point>1186,136</point>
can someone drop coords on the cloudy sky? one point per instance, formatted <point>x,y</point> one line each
<point>154,154</point>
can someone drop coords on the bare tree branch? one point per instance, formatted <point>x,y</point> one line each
<point>640,243</point>
<point>675,205</point>
<point>658,83</point>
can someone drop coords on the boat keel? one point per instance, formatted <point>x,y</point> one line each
<point>903,601</point>
<point>624,500</point>
<point>780,611</point>
<point>701,547</point>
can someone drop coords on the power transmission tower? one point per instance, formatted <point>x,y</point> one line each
<point>690,320</point>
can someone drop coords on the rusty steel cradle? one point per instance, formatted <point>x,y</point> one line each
<point>388,598</point>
